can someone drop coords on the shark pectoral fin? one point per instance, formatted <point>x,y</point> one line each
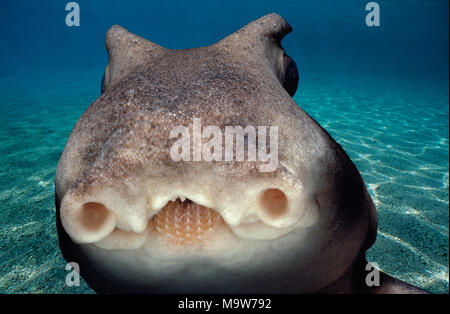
<point>390,285</point>
<point>360,279</point>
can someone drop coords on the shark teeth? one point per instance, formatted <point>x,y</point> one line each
<point>181,198</point>
<point>185,222</point>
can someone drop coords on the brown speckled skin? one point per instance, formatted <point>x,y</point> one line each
<point>237,81</point>
<point>229,83</point>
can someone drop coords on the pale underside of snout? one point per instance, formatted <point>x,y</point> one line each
<point>186,216</point>
<point>188,247</point>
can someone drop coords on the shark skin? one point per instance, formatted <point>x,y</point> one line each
<point>137,221</point>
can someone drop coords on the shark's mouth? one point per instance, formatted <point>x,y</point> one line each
<point>187,219</point>
<point>186,222</point>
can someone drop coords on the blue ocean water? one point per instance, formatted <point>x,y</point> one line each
<point>381,92</point>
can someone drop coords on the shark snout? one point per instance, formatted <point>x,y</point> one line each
<point>184,213</point>
<point>89,217</point>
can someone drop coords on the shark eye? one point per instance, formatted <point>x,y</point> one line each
<point>102,86</point>
<point>290,81</point>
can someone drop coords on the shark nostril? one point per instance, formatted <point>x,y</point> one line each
<point>274,203</point>
<point>93,216</point>
<point>86,222</point>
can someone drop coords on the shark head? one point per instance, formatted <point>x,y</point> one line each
<point>195,171</point>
